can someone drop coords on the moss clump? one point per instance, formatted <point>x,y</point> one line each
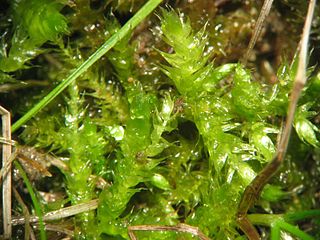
<point>176,135</point>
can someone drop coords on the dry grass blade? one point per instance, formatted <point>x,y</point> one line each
<point>257,29</point>
<point>6,164</point>
<point>7,141</point>
<point>254,189</point>
<point>61,213</point>
<point>179,228</point>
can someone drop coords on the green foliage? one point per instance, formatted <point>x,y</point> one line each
<point>141,142</point>
<point>234,123</point>
<point>188,56</point>
<point>305,129</point>
<point>40,19</point>
<point>35,22</point>
<point>84,144</point>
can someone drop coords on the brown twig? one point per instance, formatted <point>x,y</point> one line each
<point>254,189</point>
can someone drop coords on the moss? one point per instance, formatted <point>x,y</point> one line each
<point>177,135</point>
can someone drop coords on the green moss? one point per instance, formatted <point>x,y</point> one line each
<point>35,22</point>
<point>225,121</point>
<point>177,146</point>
